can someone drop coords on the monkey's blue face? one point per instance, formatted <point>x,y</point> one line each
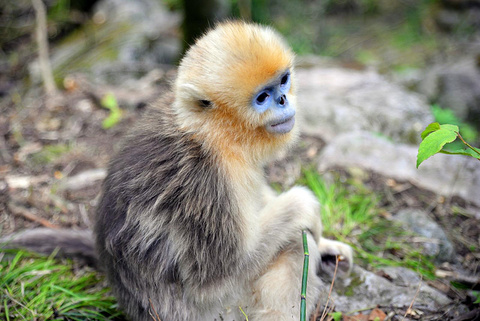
<point>273,97</point>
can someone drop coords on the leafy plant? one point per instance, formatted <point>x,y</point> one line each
<point>434,138</point>
<point>336,316</point>
<point>110,102</point>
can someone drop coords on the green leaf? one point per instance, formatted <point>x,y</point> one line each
<point>430,128</point>
<point>466,152</point>
<point>112,119</point>
<point>453,128</point>
<point>110,102</point>
<point>477,294</point>
<point>336,316</point>
<point>434,142</point>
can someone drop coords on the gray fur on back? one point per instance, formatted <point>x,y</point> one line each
<point>165,225</point>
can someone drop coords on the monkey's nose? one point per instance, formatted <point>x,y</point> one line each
<point>282,101</point>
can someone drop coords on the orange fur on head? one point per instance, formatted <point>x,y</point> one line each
<point>227,67</point>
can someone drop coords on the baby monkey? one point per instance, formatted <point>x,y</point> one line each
<point>186,223</point>
<point>187,227</point>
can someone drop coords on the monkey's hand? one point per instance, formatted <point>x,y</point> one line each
<point>330,250</point>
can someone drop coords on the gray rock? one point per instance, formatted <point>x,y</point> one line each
<point>366,289</point>
<point>459,15</point>
<point>402,276</point>
<point>448,20</point>
<point>455,86</point>
<point>446,175</point>
<point>335,101</point>
<point>436,243</point>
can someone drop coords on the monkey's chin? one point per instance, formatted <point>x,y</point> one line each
<point>281,127</point>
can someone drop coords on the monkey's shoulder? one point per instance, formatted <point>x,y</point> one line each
<point>158,163</point>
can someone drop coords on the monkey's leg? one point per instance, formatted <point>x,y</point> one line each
<point>276,293</point>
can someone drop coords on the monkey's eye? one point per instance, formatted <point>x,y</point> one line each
<point>262,98</point>
<point>205,103</point>
<point>285,79</point>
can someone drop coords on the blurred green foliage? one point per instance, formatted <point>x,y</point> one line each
<point>110,102</point>
<point>50,153</point>
<point>447,116</point>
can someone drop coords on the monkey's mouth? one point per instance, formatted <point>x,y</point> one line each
<point>281,126</point>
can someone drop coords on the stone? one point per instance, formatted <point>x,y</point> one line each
<point>402,276</point>
<point>366,289</point>
<point>447,175</point>
<point>456,86</point>
<point>436,242</point>
<point>335,101</point>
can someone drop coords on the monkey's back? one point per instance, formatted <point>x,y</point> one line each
<point>165,224</point>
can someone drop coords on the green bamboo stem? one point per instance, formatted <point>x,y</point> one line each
<point>303,302</point>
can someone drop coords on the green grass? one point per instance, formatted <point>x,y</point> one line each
<point>343,212</point>
<point>50,153</point>
<point>350,214</point>
<point>35,287</point>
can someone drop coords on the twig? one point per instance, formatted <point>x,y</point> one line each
<point>324,313</point>
<point>317,310</point>
<point>244,314</point>
<point>42,42</point>
<point>468,145</point>
<point>154,317</point>
<point>362,309</point>
<point>414,297</point>
<point>329,310</point>
<point>23,212</point>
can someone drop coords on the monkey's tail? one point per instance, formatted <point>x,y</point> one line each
<point>68,243</point>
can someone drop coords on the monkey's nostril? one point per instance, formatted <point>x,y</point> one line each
<point>283,99</point>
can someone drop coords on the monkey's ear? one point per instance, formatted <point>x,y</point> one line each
<point>194,95</point>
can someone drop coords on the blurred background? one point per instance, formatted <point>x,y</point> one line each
<point>429,46</point>
<point>372,74</point>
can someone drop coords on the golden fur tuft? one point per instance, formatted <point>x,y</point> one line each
<point>227,67</point>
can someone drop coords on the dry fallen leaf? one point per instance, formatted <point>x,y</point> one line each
<point>377,313</point>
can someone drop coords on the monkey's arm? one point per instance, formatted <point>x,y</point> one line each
<point>298,201</point>
<point>268,194</point>
<point>279,224</point>
<point>291,212</point>
<point>214,265</point>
